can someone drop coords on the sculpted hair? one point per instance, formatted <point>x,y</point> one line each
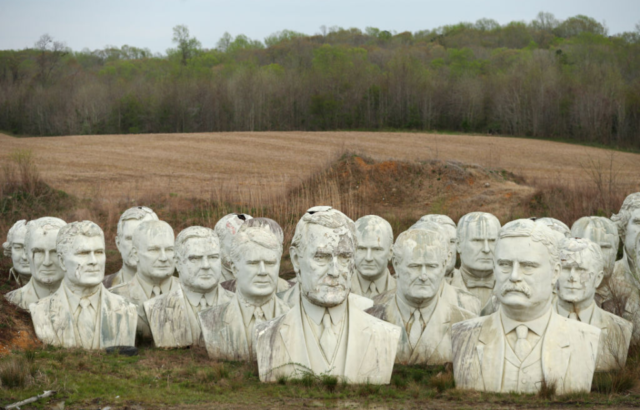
<point>600,223</point>
<point>67,233</point>
<point>556,226</point>
<point>577,248</point>
<point>621,219</point>
<point>537,231</point>
<point>134,214</point>
<point>150,229</point>
<point>323,216</point>
<point>261,231</point>
<point>430,234</point>
<point>226,228</point>
<point>193,232</point>
<point>474,217</point>
<point>439,219</point>
<point>17,227</point>
<point>372,223</point>
<point>47,225</point>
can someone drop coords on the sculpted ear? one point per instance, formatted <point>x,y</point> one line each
<point>61,260</point>
<point>599,277</point>
<point>133,257</point>
<point>293,252</point>
<point>556,274</point>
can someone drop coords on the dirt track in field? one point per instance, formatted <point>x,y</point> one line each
<point>204,164</point>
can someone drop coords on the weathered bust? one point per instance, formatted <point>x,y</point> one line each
<point>582,272</point>
<point>374,237</point>
<point>173,317</point>
<point>477,234</point>
<point>129,221</point>
<point>323,332</point>
<point>46,272</point>
<point>153,255</point>
<point>82,313</point>
<point>228,329</point>
<point>451,230</point>
<point>525,344</point>
<point>14,248</point>
<point>560,229</point>
<point>226,228</point>
<point>425,305</point>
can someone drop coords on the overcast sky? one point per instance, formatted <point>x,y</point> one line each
<point>148,23</point>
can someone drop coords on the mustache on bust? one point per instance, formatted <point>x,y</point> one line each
<point>518,287</point>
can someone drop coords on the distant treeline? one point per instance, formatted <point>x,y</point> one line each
<point>547,78</point>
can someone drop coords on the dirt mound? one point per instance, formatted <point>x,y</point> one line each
<point>17,331</point>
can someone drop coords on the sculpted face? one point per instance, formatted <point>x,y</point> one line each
<point>420,270</point>
<point>373,252</point>
<point>477,249</point>
<point>256,271</point>
<point>607,244</point>
<point>43,259</point>
<point>633,230</point>
<point>200,266</point>
<point>18,254</point>
<point>84,263</point>
<point>155,258</point>
<point>453,243</point>
<point>124,243</point>
<point>325,266</point>
<point>578,281</point>
<point>524,274</point>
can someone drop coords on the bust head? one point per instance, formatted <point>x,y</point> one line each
<point>255,259</point>
<point>322,252</point>
<point>375,239</point>
<point>197,257</point>
<point>40,246</point>
<point>604,233</point>
<point>153,250</point>
<point>129,221</point>
<point>81,250</point>
<point>451,234</point>
<point>226,228</point>
<point>527,265</point>
<point>582,270</point>
<point>628,222</point>
<point>477,233</point>
<point>14,247</point>
<point>559,228</point>
<point>420,259</point>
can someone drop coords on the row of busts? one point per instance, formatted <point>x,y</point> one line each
<point>542,295</point>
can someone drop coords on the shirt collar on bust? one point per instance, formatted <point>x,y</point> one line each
<point>538,326</point>
<point>407,311</point>
<point>476,282</point>
<point>316,313</point>
<point>381,282</point>
<point>148,287</point>
<point>195,297</point>
<point>584,314</point>
<point>74,300</point>
<point>247,309</point>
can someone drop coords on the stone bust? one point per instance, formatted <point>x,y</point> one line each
<point>46,272</point>
<point>323,332</point>
<point>451,230</point>
<point>228,329</point>
<point>173,317</point>
<point>82,313</point>
<point>374,237</point>
<point>14,248</point>
<point>128,222</point>
<point>476,240</point>
<point>582,271</point>
<point>525,343</point>
<point>424,305</point>
<point>557,226</point>
<point>226,228</point>
<point>628,223</point>
<point>153,254</point>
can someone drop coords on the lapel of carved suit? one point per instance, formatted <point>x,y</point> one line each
<point>434,332</point>
<point>490,351</point>
<point>233,332</point>
<point>556,352</point>
<point>292,337</point>
<point>62,318</point>
<point>117,322</point>
<point>392,315</point>
<point>356,366</point>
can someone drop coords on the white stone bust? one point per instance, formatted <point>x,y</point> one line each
<point>557,226</point>
<point>452,235</point>
<point>323,331</point>
<point>46,272</point>
<point>226,228</point>
<point>82,313</point>
<point>374,237</point>
<point>525,343</point>
<point>628,222</point>
<point>128,222</point>
<point>173,317</point>
<point>228,329</point>
<point>476,240</point>
<point>14,248</point>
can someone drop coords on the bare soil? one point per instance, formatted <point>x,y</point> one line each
<point>202,164</point>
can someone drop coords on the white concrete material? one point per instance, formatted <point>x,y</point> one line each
<point>374,237</point>
<point>14,248</point>
<point>226,228</point>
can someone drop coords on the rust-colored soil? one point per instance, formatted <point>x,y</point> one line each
<point>201,165</point>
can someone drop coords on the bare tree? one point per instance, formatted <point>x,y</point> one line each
<point>51,52</point>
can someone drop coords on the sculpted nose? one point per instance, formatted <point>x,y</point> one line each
<point>205,263</point>
<point>163,255</point>
<point>261,268</point>
<point>334,271</point>
<point>572,275</point>
<point>92,259</point>
<point>485,246</point>
<point>47,259</point>
<point>423,273</point>
<point>515,275</point>
<point>368,254</point>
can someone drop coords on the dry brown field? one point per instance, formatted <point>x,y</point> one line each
<point>202,164</point>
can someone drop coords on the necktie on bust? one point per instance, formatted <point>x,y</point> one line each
<point>574,316</point>
<point>416,328</point>
<point>523,347</point>
<point>156,291</point>
<point>202,304</point>
<point>86,323</point>
<point>373,289</point>
<point>328,340</point>
<point>259,315</point>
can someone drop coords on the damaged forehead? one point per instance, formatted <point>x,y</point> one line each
<point>420,238</point>
<point>326,217</point>
<point>373,224</point>
<point>583,252</point>
<point>477,224</point>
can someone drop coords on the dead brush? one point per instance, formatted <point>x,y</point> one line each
<point>14,373</point>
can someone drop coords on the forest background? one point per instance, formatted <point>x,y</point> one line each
<point>546,78</point>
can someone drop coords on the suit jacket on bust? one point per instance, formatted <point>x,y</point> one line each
<point>371,347</point>
<point>292,296</point>
<point>224,332</point>
<point>434,346</point>
<point>168,317</point>
<point>569,350</point>
<point>356,286</point>
<point>460,297</point>
<point>24,296</point>
<point>53,321</point>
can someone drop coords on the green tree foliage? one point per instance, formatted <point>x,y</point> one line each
<point>187,46</point>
